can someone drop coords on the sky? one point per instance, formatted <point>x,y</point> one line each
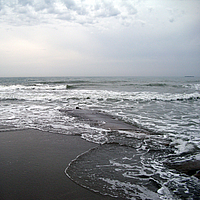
<point>99,38</point>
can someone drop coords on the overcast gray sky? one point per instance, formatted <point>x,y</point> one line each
<point>99,37</point>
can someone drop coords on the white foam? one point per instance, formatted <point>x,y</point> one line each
<point>197,157</point>
<point>131,190</point>
<point>125,158</point>
<point>117,164</point>
<point>183,146</point>
<point>39,109</point>
<point>165,193</point>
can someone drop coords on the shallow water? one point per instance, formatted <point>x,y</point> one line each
<point>126,172</point>
<point>131,164</point>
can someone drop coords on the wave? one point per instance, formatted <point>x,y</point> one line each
<point>192,98</point>
<point>11,99</point>
<point>60,82</point>
<point>32,87</point>
<point>130,173</point>
<point>194,86</point>
<point>143,97</point>
<point>70,86</point>
<point>156,84</point>
<point>148,84</point>
<point>188,99</point>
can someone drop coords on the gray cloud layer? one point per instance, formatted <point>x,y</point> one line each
<point>99,37</point>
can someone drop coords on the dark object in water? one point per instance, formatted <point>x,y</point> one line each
<point>191,168</point>
<point>69,86</point>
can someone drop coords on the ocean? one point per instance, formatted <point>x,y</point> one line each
<point>126,164</point>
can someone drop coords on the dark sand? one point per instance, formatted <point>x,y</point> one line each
<point>32,165</point>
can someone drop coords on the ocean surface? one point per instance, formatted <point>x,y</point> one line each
<point>129,165</point>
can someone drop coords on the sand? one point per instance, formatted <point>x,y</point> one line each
<point>32,165</point>
<point>102,120</point>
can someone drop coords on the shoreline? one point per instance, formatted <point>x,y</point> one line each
<point>33,163</point>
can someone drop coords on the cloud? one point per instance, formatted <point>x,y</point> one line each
<point>171,20</point>
<point>70,4</point>
<point>106,9</point>
<point>99,36</point>
<point>77,11</point>
<point>25,2</point>
<point>86,12</point>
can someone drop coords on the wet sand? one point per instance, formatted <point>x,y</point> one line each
<point>102,120</point>
<point>32,165</point>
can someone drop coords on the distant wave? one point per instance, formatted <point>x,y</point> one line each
<point>70,86</point>
<point>62,82</point>
<point>192,98</point>
<point>167,99</point>
<point>188,99</point>
<point>156,84</point>
<point>11,99</point>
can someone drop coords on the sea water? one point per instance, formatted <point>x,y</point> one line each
<point>127,164</point>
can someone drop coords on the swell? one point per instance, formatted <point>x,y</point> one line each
<point>154,85</point>
<point>190,98</point>
<point>11,99</point>
<point>164,98</point>
<point>62,82</point>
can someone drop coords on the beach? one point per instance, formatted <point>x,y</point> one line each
<point>143,133</point>
<point>33,163</point>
